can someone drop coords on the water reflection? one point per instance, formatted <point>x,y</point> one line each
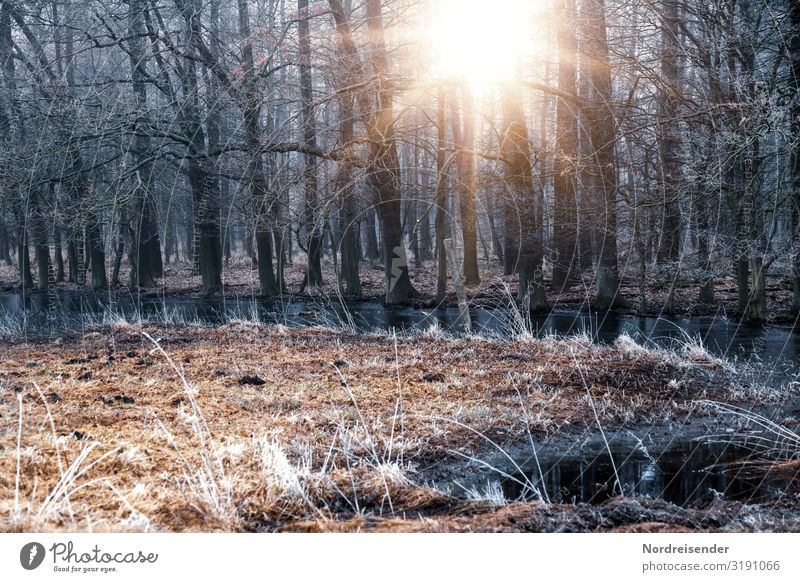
<point>41,313</point>
<point>685,474</point>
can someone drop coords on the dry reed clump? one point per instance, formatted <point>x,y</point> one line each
<point>774,446</point>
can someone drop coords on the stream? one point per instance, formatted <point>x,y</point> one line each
<point>681,469</point>
<point>777,346</point>
<point>684,472</point>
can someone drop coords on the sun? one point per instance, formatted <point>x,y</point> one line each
<point>480,42</point>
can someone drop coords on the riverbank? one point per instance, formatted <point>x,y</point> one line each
<point>253,428</point>
<point>240,279</point>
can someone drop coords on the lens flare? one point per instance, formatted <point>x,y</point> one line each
<point>480,42</point>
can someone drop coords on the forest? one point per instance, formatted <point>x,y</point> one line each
<point>638,155</point>
<point>340,265</point>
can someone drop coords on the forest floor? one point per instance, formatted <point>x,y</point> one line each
<point>264,428</point>
<point>240,278</point>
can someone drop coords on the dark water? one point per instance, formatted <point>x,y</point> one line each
<point>687,474</point>
<point>778,346</point>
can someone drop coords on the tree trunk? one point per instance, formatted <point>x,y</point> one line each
<point>757,305</point>
<point>756,219</point>
<point>497,245</point>
<point>23,256</point>
<point>565,219</point>
<point>42,250</point>
<point>519,177</point>
<point>464,137</point>
<point>145,254</point>
<point>95,249</point>
<point>587,202</point>
<point>255,169</point>
<point>424,220</point>
<point>794,19</point>
<point>383,172</point>
<point>703,251</point>
<point>119,247</point>
<point>5,245</point>
<point>667,133</point>
<point>200,167</point>
<point>372,252</point>
<point>58,255</point>
<point>73,262</point>
<point>669,147</point>
<point>350,252</point>
<point>441,199</point>
<point>602,135</point>
<point>24,208</point>
<point>312,222</point>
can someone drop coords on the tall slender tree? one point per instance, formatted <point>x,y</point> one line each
<point>311,219</point>
<point>565,211</point>
<point>603,138</point>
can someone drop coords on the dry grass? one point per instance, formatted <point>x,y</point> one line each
<point>248,427</point>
